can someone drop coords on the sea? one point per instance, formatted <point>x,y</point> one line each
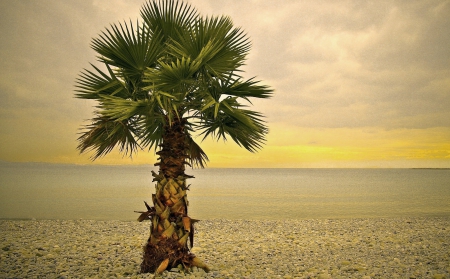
<point>58,191</point>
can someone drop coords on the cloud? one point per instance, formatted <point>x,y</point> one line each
<point>45,46</point>
<point>334,65</point>
<point>356,64</point>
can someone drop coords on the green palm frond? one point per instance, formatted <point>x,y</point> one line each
<point>147,116</point>
<point>103,134</point>
<point>214,43</point>
<point>220,89</point>
<point>245,127</point>
<point>197,156</point>
<point>234,46</point>
<point>168,18</point>
<point>130,49</point>
<point>176,76</point>
<point>242,89</point>
<point>152,127</point>
<point>90,85</point>
<point>122,109</point>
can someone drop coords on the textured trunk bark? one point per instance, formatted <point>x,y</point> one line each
<point>171,227</point>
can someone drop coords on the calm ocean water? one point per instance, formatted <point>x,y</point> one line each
<point>51,191</point>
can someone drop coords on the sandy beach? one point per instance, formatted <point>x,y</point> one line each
<point>341,248</point>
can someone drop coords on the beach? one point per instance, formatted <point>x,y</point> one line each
<point>339,248</point>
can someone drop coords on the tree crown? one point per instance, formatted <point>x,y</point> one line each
<point>174,64</point>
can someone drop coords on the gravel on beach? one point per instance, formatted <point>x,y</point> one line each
<point>340,248</point>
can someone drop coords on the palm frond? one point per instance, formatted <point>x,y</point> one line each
<point>214,43</point>
<point>152,127</point>
<point>197,156</point>
<point>229,90</point>
<point>103,134</point>
<point>245,127</point>
<point>175,77</point>
<point>90,84</point>
<point>121,109</point>
<point>130,49</point>
<point>235,46</point>
<point>168,17</point>
<point>243,89</point>
<point>147,114</point>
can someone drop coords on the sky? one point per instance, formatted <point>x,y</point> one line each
<point>357,83</point>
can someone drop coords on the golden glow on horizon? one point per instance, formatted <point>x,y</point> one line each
<point>339,147</point>
<point>307,147</point>
<point>292,147</point>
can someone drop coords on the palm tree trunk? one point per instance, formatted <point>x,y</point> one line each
<point>171,227</point>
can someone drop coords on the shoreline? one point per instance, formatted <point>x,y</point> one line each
<point>268,219</point>
<point>307,248</point>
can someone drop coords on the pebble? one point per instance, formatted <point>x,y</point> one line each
<point>289,249</point>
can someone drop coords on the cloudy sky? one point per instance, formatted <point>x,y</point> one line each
<point>357,83</point>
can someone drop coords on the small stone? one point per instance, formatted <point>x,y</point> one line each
<point>196,250</point>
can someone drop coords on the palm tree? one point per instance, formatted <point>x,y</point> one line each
<point>166,80</point>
